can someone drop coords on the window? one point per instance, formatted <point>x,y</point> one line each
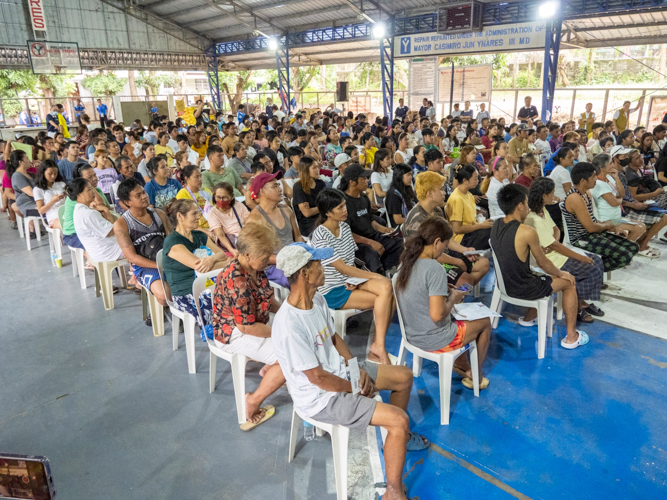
<point>201,85</point>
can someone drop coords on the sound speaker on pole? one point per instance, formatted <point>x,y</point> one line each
<point>341,92</point>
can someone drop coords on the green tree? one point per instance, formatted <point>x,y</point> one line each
<point>152,82</point>
<point>104,84</point>
<point>16,83</point>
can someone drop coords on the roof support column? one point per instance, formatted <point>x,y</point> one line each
<point>387,68</point>
<point>282,65</point>
<point>550,66</point>
<point>212,76</point>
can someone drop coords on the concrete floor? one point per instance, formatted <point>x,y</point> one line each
<point>117,414</point>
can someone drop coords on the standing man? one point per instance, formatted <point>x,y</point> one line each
<point>78,111</point>
<point>154,111</point>
<point>621,118</point>
<point>528,111</point>
<point>422,110</point>
<point>402,109</point>
<point>482,114</point>
<point>52,125</point>
<point>240,114</point>
<point>456,113</point>
<point>102,112</point>
<point>587,119</point>
<point>269,108</point>
<point>466,114</point>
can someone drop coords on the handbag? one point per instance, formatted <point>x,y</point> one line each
<point>153,243</point>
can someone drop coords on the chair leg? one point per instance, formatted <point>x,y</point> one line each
<point>402,351</point>
<point>58,243</point>
<point>550,317</point>
<point>38,231</point>
<point>559,306</point>
<point>496,305</point>
<point>476,290</point>
<point>104,271</point>
<point>445,366</point>
<point>238,377</point>
<point>213,360</point>
<point>340,324</point>
<point>123,276</point>
<point>474,367</point>
<point>26,231</point>
<point>75,267</point>
<point>542,322</point>
<point>189,331</point>
<point>80,264</point>
<point>19,224</point>
<point>157,315</point>
<point>416,365</point>
<point>339,442</point>
<point>175,327</point>
<point>144,304</point>
<point>293,435</point>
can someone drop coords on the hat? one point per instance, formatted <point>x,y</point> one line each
<point>344,134</point>
<point>355,171</point>
<point>522,126</point>
<point>341,158</point>
<point>293,257</point>
<point>260,181</point>
<point>620,150</point>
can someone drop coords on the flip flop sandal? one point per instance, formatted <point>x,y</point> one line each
<point>584,317</point>
<point>594,310</point>
<point>267,412</point>
<point>581,340</point>
<point>393,359</point>
<point>650,253</point>
<point>416,442</point>
<point>483,384</point>
<point>530,323</point>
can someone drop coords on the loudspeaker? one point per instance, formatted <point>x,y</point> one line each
<point>341,92</point>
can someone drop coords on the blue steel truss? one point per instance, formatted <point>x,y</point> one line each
<point>550,66</point>
<point>212,77</point>
<point>387,66</point>
<point>282,64</point>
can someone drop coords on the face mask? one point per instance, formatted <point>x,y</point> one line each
<point>625,162</point>
<point>224,204</point>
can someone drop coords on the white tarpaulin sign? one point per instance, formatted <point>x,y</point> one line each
<point>471,83</point>
<point>504,38</point>
<point>421,81</point>
<point>54,57</point>
<point>37,15</point>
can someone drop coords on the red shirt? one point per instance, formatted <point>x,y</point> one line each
<point>488,144</point>
<point>522,180</point>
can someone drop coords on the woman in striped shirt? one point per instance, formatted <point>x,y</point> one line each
<point>374,292</point>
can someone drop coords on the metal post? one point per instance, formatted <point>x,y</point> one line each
<point>604,106</point>
<point>387,66</point>
<point>550,66</point>
<point>282,65</point>
<point>574,99</point>
<point>212,76</point>
<point>516,104</point>
<point>451,91</point>
<point>641,109</point>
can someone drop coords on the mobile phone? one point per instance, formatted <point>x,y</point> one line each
<point>25,476</point>
<point>465,288</point>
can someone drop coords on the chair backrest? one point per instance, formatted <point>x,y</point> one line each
<point>595,207</point>
<point>499,272</point>
<point>566,235</point>
<point>165,285</point>
<point>197,288</point>
<point>398,308</point>
<point>61,216</point>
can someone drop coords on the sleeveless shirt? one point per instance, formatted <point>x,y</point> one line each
<point>140,232</point>
<point>285,234</point>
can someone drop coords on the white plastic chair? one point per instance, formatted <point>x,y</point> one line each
<point>189,321</point>
<point>24,231</point>
<point>339,442</point>
<point>55,239</point>
<point>237,361</point>
<point>279,292</point>
<point>103,279</point>
<point>77,254</point>
<point>544,306</point>
<point>19,224</point>
<point>445,361</point>
<point>340,317</point>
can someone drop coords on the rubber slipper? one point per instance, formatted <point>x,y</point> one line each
<point>594,310</point>
<point>267,413</point>
<point>483,384</point>
<point>523,322</point>
<point>584,317</point>
<point>416,442</point>
<point>392,359</point>
<point>649,253</point>
<point>581,340</point>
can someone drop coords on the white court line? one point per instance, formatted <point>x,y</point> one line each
<point>635,317</point>
<point>643,279</point>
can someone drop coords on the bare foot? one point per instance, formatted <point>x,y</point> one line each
<point>264,369</point>
<point>252,413</point>
<point>378,355</point>
<point>393,493</point>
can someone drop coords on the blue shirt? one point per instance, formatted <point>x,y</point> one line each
<point>154,109</point>
<point>102,109</point>
<point>240,115</point>
<point>550,165</point>
<point>159,195</point>
<point>401,111</point>
<point>66,168</point>
<point>417,169</point>
<point>79,109</point>
<point>269,110</point>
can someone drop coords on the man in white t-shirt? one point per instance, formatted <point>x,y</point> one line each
<point>93,226</point>
<point>314,360</point>
<point>541,142</point>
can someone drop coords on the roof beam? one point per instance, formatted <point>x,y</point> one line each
<point>622,27</point>
<point>359,10</point>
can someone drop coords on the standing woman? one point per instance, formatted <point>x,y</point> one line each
<point>49,192</point>
<point>306,190</point>
<point>194,191</point>
<point>375,293</point>
<point>403,152</point>
<point>401,196</point>
<point>179,259</point>
<point>381,176</point>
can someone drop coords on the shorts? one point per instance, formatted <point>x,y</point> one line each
<point>256,348</point>
<point>453,273</point>
<point>337,297</point>
<point>350,410</point>
<point>145,275</point>
<point>72,240</point>
<point>457,343</point>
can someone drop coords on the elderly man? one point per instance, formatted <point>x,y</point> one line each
<point>315,362</point>
<point>528,110</point>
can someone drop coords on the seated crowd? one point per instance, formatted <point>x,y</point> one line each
<point>329,207</point>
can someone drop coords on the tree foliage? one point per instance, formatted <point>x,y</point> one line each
<point>105,84</point>
<point>152,82</point>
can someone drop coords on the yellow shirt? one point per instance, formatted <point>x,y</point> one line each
<point>461,207</point>
<point>200,151</point>
<point>369,157</point>
<point>184,194</point>
<point>545,231</point>
<point>165,150</point>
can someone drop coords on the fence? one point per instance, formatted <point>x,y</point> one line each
<point>568,103</point>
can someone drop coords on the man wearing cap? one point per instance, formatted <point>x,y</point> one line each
<point>379,252</point>
<point>342,161</point>
<point>314,360</point>
<point>402,109</point>
<point>528,111</point>
<point>266,191</point>
<point>519,145</point>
